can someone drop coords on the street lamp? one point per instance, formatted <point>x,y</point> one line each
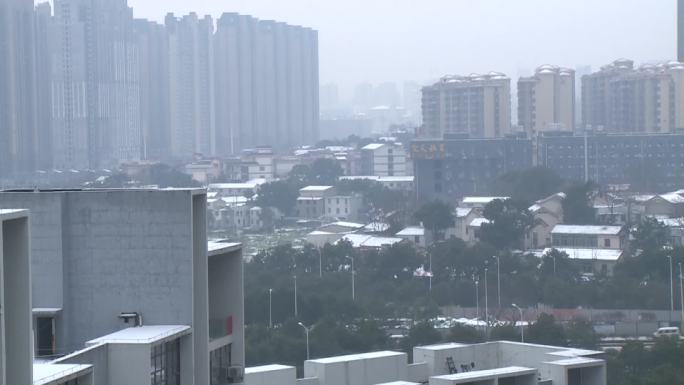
<point>486,304</point>
<point>295,295</point>
<point>353,273</point>
<point>306,330</point>
<point>671,289</point>
<point>270,308</point>
<point>477,297</point>
<point>681,289</point>
<point>498,279</point>
<point>522,327</point>
<point>320,263</point>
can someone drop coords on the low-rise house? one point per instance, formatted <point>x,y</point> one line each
<point>370,242</point>
<point>590,237</point>
<point>547,213</point>
<point>593,261</point>
<point>204,171</point>
<point>346,207</point>
<point>479,202</point>
<point>474,229</point>
<point>384,159</point>
<point>675,227</point>
<point>463,216</point>
<point>415,235</point>
<point>311,201</point>
<point>232,190</point>
<point>398,183</point>
<point>332,233</point>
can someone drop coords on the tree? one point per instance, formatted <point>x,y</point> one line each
<point>577,206</point>
<point>507,332</point>
<point>436,216</point>
<point>322,172</point>
<point>528,185</point>
<point>164,176</point>
<point>508,223</point>
<point>581,334</point>
<point>546,331</point>
<point>422,333</point>
<point>650,235</point>
<point>465,334</point>
<point>281,194</point>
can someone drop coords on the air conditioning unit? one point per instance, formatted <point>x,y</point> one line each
<point>233,374</point>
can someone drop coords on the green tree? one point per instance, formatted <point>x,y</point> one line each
<point>577,206</point>
<point>529,185</point>
<point>546,331</point>
<point>281,194</point>
<point>422,333</point>
<point>507,332</point>
<point>322,172</point>
<point>465,334</point>
<point>581,334</point>
<point>650,235</point>
<point>436,216</point>
<point>165,176</point>
<point>508,223</point>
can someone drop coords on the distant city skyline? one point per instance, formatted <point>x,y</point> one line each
<point>457,37</point>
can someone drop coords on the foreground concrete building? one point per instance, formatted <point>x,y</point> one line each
<point>133,266</point>
<point>15,298</point>
<point>446,364</point>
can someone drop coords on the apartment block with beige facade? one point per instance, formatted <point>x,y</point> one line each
<point>546,100</point>
<point>475,106</point>
<point>621,98</point>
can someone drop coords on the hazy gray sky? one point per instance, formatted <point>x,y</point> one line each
<point>380,40</point>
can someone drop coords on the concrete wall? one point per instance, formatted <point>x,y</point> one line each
<point>98,356</point>
<point>282,375</point>
<point>16,340</point>
<point>117,251</point>
<point>200,288</point>
<point>226,297</point>
<point>128,364</point>
<point>367,371</point>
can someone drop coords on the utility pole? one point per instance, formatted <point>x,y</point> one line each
<point>353,273</point>
<point>671,289</point>
<point>681,290</point>
<point>486,307</point>
<point>320,263</point>
<point>270,308</point>
<point>498,279</point>
<point>295,295</point>
<point>477,297</point>
<point>306,330</point>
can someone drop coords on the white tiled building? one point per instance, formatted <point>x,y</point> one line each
<point>384,159</point>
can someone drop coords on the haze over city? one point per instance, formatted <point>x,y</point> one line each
<point>396,40</point>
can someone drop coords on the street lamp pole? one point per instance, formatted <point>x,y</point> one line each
<point>681,289</point>
<point>320,263</point>
<point>486,305</point>
<point>477,298</point>
<point>353,273</point>
<point>522,327</point>
<point>430,276</point>
<point>306,330</point>
<point>270,308</point>
<point>671,289</point>
<point>498,279</point>
<point>295,295</point>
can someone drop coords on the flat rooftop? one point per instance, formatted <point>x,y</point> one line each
<point>268,368</point>
<point>48,373</point>
<point>142,335</point>
<point>316,188</point>
<point>491,373</point>
<point>592,230</point>
<point>609,255</point>
<point>219,247</point>
<point>357,357</point>
<point>6,214</point>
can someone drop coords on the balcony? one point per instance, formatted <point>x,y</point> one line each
<point>219,328</point>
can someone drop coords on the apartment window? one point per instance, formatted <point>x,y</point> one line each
<point>45,336</point>
<point>606,242</point>
<point>165,363</point>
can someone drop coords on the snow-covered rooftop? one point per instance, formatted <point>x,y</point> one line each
<point>592,230</point>
<point>411,231</point>
<point>488,374</point>
<point>142,335</point>
<point>373,146</point>
<point>268,368</point>
<point>357,357</point>
<point>51,373</point>
<point>608,255</point>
